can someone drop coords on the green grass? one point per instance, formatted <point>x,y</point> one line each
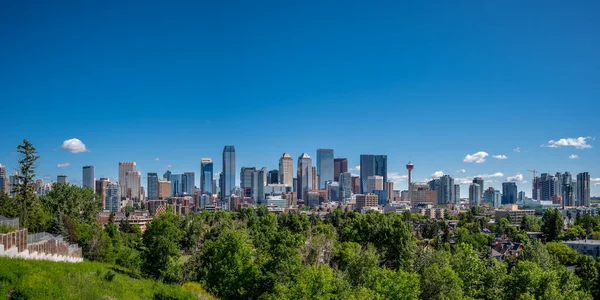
<point>30,279</point>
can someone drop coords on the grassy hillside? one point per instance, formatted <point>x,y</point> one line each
<point>28,279</point>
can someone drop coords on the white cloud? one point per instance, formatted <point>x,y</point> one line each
<point>168,167</point>
<point>518,177</point>
<point>501,156</point>
<point>495,175</point>
<point>157,159</point>
<point>397,178</point>
<point>595,181</point>
<point>461,171</point>
<point>463,180</point>
<point>578,143</point>
<point>437,174</point>
<point>60,166</point>
<point>74,146</point>
<point>357,168</point>
<point>517,149</point>
<point>478,157</point>
<point>573,156</point>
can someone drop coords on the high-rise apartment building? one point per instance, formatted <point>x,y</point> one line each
<point>176,185</point>
<point>3,180</point>
<point>509,193</point>
<point>61,179</point>
<point>521,196</point>
<point>536,188</point>
<point>492,197</point>
<point>188,179</point>
<point>167,175</point>
<point>324,166</point>
<point>474,192</point>
<point>13,181</point>
<point>125,167</point>
<point>164,189</point>
<point>567,195</point>
<point>273,177</point>
<point>101,185</point>
<point>113,197</point>
<point>206,177</point>
<point>262,182</point>
<point>333,190</point>
<point>286,166</point>
<point>305,175</point>
<point>389,188</point>
<point>421,193</point>
<point>457,193</point>
<point>340,165</point>
<point>583,189</point>
<point>375,183</point>
<point>446,190</point>
<point>228,172</point>
<point>88,177</point>
<point>371,165</point>
<point>249,182</point>
<point>345,185</point>
<point>315,178</point>
<point>479,181</point>
<point>152,186</point>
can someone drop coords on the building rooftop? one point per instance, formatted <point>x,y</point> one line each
<point>581,242</point>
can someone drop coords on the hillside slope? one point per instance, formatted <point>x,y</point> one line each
<point>29,279</point>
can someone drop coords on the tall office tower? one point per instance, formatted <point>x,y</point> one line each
<point>176,185</point>
<point>457,193</point>
<point>215,186</point>
<point>315,178</point>
<point>536,186</point>
<point>492,197</point>
<point>548,186</point>
<point>355,185</point>
<point>345,185</point>
<point>125,167</point>
<point>13,181</point>
<point>479,181</point>
<point>575,196</point>
<point>142,194</point>
<point>371,165</point>
<point>133,183</point>
<point>389,188</point>
<point>295,185</point>
<point>509,193</point>
<point>333,189</point>
<point>558,184</point>
<point>566,178</point>
<point>249,182</point>
<point>152,186</point>
<point>3,180</point>
<point>305,175</point>
<point>101,185</point>
<point>262,181</point>
<point>273,177</point>
<point>167,175</point>
<point>113,197</point>
<point>583,189</point>
<point>340,165</point>
<point>61,179</point>
<point>164,189</point>
<point>324,166</point>
<point>88,177</point>
<point>206,177</point>
<point>375,183</point>
<point>474,194</point>
<point>228,172</point>
<point>286,166</point>
<point>567,195</point>
<point>435,185</point>
<point>188,180</point>
<point>446,191</point>
<point>521,196</point>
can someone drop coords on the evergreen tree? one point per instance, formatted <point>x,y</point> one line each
<point>24,188</point>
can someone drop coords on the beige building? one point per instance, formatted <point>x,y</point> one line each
<point>389,187</point>
<point>125,167</point>
<point>513,213</point>
<point>375,183</point>
<point>286,172</point>
<point>366,200</point>
<point>164,189</point>
<point>101,190</point>
<point>421,193</point>
<point>133,183</point>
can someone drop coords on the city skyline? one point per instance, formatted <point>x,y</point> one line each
<point>416,82</point>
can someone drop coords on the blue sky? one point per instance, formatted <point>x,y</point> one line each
<point>426,81</point>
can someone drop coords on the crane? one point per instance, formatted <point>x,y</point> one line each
<point>534,171</point>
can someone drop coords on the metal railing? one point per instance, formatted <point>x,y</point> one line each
<point>14,223</point>
<point>41,236</point>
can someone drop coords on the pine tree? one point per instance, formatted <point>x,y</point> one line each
<point>24,188</point>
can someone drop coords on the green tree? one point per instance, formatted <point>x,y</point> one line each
<point>531,223</point>
<point>440,283</point>
<point>8,206</point>
<point>161,248</point>
<point>563,253</point>
<point>587,222</point>
<point>587,269</point>
<point>355,261</point>
<point>536,252</point>
<point>552,224</point>
<point>575,231</point>
<point>24,188</point>
<point>388,284</point>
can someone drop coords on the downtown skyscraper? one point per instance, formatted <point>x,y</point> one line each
<point>371,165</point>
<point>152,186</point>
<point>305,175</point>
<point>228,172</point>
<point>583,189</point>
<point>206,176</point>
<point>88,177</point>
<point>324,166</point>
<point>3,180</point>
<point>340,165</point>
<point>125,167</point>
<point>286,170</point>
<point>509,193</point>
<point>188,180</point>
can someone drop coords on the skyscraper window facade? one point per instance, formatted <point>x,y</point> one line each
<point>228,172</point>
<point>325,168</point>
<point>206,176</point>
<point>371,165</point>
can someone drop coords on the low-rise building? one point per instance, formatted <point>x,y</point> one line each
<point>589,247</point>
<point>513,213</point>
<point>366,200</point>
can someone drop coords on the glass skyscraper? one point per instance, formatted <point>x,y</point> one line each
<point>228,172</point>
<point>345,185</point>
<point>88,177</point>
<point>583,189</point>
<point>152,186</point>
<point>176,184</point>
<point>371,165</point>
<point>509,193</point>
<point>188,180</point>
<point>206,176</point>
<point>324,166</point>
